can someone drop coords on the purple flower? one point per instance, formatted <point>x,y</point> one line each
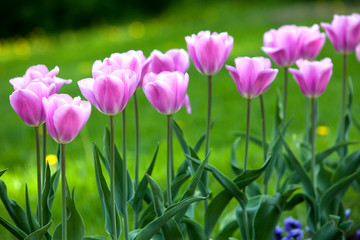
<point>109,91</point>
<point>209,51</point>
<point>36,84</point>
<point>357,50</point>
<point>312,76</point>
<point>291,223</point>
<point>172,60</point>
<point>65,116</point>
<point>347,213</point>
<point>278,234</point>
<point>294,234</point>
<point>358,234</point>
<point>166,91</point>
<point>252,76</point>
<point>290,43</point>
<point>131,60</point>
<point>343,32</point>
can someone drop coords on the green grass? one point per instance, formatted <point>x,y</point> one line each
<point>75,51</point>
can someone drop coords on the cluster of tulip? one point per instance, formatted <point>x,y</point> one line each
<point>164,81</point>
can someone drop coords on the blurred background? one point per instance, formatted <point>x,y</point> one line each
<point>73,34</point>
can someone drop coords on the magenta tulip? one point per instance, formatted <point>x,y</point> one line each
<point>343,32</point>
<point>37,83</point>
<point>357,50</point>
<point>65,116</point>
<point>312,76</point>
<point>172,60</point>
<point>166,91</point>
<point>252,76</point>
<point>290,43</point>
<point>109,91</point>
<point>209,51</point>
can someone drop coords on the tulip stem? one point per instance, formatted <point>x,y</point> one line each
<point>63,193</point>
<point>207,137</point>
<point>263,136</point>
<point>286,70</point>
<point>307,120</point>
<point>246,221</point>
<point>124,176</point>
<point>112,178</point>
<point>343,105</point>
<point>136,215</point>
<point>313,160</point>
<point>44,152</point>
<point>38,166</point>
<point>168,165</point>
<point>247,136</point>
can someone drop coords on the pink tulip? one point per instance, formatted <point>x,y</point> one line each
<point>290,43</point>
<point>172,60</point>
<point>343,32</point>
<point>65,116</point>
<point>312,76</point>
<point>209,51</point>
<point>109,91</point>
<point>252,76</point>
<point>166,91</point>
<point>131,60</point>
<point>37,83</point>
<point>357,50</point>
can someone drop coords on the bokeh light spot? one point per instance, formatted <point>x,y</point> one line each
<point>51,159</point>
<point>137,30</point>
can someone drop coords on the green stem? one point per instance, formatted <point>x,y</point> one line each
<point>124,176</point>
<point>306,120</point>
<point>343,105</point>
<point>247,136</point>
<point>38,167</point>
<point>63,193</point>
<point>263,136</point>
<point>112,178</point>
<point>246,222</point>
<point>285,91</point>
<point>207,136</point>
<point>313,127</point>
<point>168,165</point>
<point>171,156</point>
<point>44,152</point>
<point>136,215</point>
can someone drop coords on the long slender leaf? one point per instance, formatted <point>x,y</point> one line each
<point>234,166</point>
<point>16,213</point>
<point>39,234</point>
<point>180,136</point>
<point>194,229</point>
<point>328,231</point>
<point>33,223</point>
<point>95,238</point>
<point>227,231</point>
<point>141,188</point>
<point>2,172</point>
<point>257,141</point>
<point>17,232</point>
<point>149,230</point>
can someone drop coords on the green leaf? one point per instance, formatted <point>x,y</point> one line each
<point>17,232</point>
<point>299,169</point>
<point>147,215</point>
<point>323,155</point>
<point>257,141</point>
<point>33,223</point>
<point>153,227</point>
<point>104,195</point>
<point>349,165</point>
<point>180,136</point>
<point>227,231</point>
<point>45,195</point>
<point>328,231</point>
<point>194,229</point>
<point>39,234</point>
<point>118,169</point>
<point>2,172</point>
<point>141,188</point>
<point>16,213</point>
<point>95,238</point>
<point>234,166</point>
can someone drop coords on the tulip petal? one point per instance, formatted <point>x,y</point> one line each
<point>86,87</point>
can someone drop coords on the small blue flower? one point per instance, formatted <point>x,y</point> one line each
<point>294,234</point>
<point>278,233</point>
<point>347,213</point>
<point>358,234</point>
<point>291,223</point>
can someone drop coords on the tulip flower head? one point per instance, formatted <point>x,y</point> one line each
<point>65,116</point>
<point>357,49</point>
<point>343,32</point>
<point>166,91</point>
<point>252,76</point>
<point>290,43</point>
<point>312,76</point>
<point>36,84</point>
<point>209,51</point>
<point>109,91</point>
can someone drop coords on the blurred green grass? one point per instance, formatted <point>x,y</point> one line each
<point>75,51</point>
